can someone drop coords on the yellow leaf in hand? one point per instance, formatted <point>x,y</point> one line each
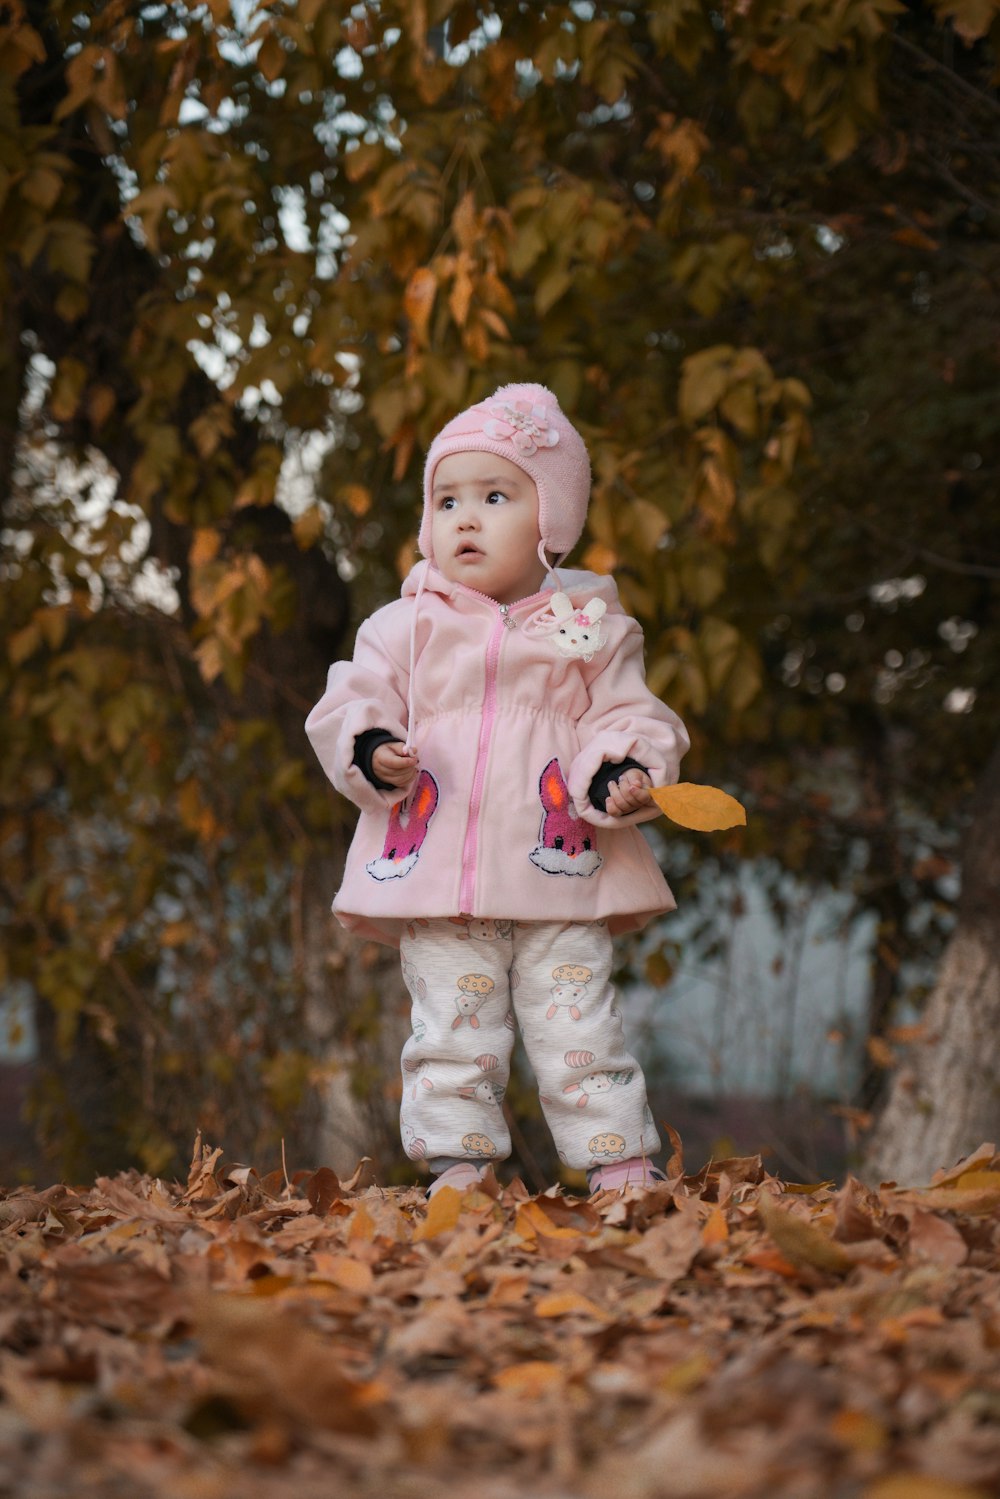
<point>705,808</point>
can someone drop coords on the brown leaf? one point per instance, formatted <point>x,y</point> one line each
<point>802,1242</point>
<point>675,1165</point>
<point>920,1486</point>
<point>976,1193</point>
<point>935,1238</point>
<point>28,1206</point>
<point>443,1213</point>
<point>201,1183</point>
<point>273,1364</point>
<point>363,1176</point>
<point>418,301</point>
<point>531,1379</point>
<point>345,1271</point>
<point>322,1190</point>
<point>858,1212</point>
<point>669,1247</point>
<point>116,1294</point>
<point>569,1304</point>
<point>984,1158</point>
<point>129,1205</point>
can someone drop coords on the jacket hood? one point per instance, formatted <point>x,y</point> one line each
<point>578,583</point>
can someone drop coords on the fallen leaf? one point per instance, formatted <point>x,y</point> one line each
<point>935,1238</point>
<point>344,1271</point>
<point>976,1200</point>
<point>570,1303</point>
<point>801,1242</point>
<point>859,1430</point>
<point>715,1229</point>
<point>534,1218</point>
<point>201,1183</point>
<point>771,1259</point>
<point>531,1379</point>
<point>322,1190</point>
<point>362,1225</point>
<point>920,1486</point>
<point>273,1363</point>
<point>686,1376</point>
<point>362,1177</point>
<point>983,1157</point>
<point>442,1214</point>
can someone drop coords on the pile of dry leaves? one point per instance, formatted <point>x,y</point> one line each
<point>726,1334</point>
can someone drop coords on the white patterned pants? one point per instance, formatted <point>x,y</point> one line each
<point>468,979</point>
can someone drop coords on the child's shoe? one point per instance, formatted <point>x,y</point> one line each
<point>637,1171</point>
<point>462,1175</point>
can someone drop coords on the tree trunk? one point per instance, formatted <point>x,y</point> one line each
<point>356,1005</point>
<point>945,1099</point>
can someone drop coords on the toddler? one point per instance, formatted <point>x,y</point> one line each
<point>495,729</point>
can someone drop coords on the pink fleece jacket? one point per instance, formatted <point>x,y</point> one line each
<point>510,733</point>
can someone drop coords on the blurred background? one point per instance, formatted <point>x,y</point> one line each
<point>253,257</point>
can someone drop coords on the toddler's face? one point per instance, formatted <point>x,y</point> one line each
<point>484,526</point>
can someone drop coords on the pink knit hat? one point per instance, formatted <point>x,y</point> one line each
<point>524,424</point>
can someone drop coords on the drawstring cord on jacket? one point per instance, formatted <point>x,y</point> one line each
<point>550,568</point>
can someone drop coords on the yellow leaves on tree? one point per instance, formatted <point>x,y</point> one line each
<point>681,144</point>
<point>971,19</point>
<point>232,596</point>
<point>94,74</point>
<point>478,299</point>
<point>418,302</point>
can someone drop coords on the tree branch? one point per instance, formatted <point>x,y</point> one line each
<point>959,82</point>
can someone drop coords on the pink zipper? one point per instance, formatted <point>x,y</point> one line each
<point>467,889</point>
<point>467,893</point>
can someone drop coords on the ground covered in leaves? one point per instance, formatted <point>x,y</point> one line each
<point>726,1334</point>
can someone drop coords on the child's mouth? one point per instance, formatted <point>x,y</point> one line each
<point>468,550</point>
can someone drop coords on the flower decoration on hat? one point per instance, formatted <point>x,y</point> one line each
<point>525,425</point>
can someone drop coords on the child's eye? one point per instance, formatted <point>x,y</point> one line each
<point>447,503</point>
<point>495,497</point>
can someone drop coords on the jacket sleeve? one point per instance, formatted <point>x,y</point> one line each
<point>625,722</point>
<point>368,692</point>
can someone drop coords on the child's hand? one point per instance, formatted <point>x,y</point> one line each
<point>394,763</point>
<point>628,793</point>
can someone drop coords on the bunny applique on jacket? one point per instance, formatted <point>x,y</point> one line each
<point>513,711</point>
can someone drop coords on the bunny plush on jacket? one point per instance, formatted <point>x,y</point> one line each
<point>495,730</point>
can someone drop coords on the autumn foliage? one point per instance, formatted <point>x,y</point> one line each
<point>725,1334</point>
